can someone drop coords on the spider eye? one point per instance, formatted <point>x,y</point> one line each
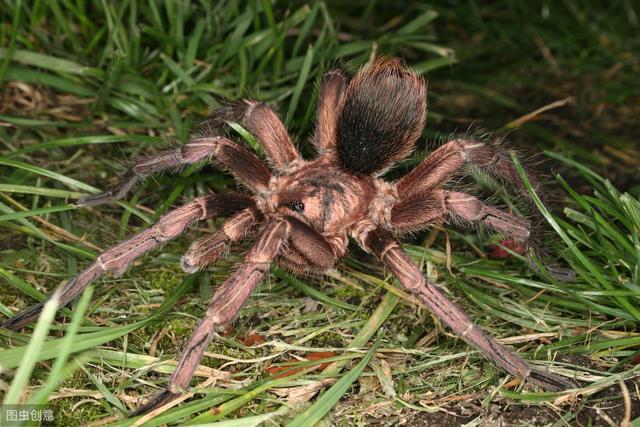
<point>296,205</point>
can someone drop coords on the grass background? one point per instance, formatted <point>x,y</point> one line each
<point>88,85</point>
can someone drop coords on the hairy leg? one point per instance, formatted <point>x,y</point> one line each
<point>224,306</point>
<point>239,161</point>
<point>118,258</point>
<point>420,211</point>
<point>208,249</point>
<point>416,211</point>
<point>329,98</point>
<point>448,160</point>
<point>265,125</point>
<point>307,250</point>
<point>388,250</point>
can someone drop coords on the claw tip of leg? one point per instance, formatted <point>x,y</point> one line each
<point>187,267</point>
<point>92,200</point>
<point>155,402</point>
<point>551,382</point>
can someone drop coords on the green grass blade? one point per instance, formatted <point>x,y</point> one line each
<point>49,62</point>
<point>302,79</point>
<point>73,183</point>
<point>8,53</point>
<point>584,260</point>
<point>328,400</point>
<point>56,374</point>
<point>31,355</point>
<point>12,357</point>
<point>313,293</point>
<point>39,211</point>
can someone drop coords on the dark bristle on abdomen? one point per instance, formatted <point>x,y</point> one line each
<point>382,117</point>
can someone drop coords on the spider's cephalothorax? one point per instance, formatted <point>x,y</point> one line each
<point>323,197</point>
<point>304,211</point>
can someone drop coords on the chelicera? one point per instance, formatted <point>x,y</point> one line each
<point>302,212</point>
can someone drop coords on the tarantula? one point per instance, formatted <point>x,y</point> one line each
<point>303,211</point>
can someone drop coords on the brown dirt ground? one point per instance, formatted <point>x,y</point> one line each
<point>605,408</point>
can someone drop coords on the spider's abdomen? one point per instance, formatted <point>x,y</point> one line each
<point>382,116</point>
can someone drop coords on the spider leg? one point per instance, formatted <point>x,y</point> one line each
<point>447,161</point>
<point>331,90</point>
<point>119,257</point>
<point>265,125</point>
<point>208,249</point>
<point>388,250</point>
<point>422,210</point>
<point>309,246</point>
<point>239,161</point>
<point>225,304</point>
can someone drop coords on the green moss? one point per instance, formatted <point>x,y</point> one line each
<point>67,414</point>
<point>221,348</point>
<point>182,326</point>
<point>11,296</point>
<point>349,291</point>
<point>328,339</point>
<point>65,411</point>
<point>166,279</point>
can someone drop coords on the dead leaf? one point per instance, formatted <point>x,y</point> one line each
<point>288,370</point>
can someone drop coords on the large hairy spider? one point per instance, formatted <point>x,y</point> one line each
<point>304,210</point>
